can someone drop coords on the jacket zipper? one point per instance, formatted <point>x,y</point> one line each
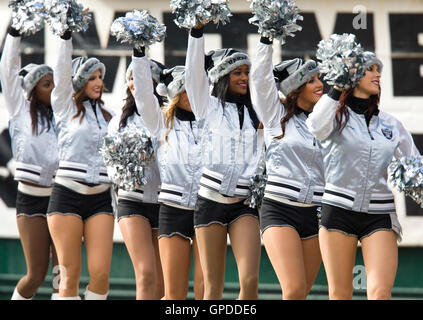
<point>370,134</point>
<point>193,174</point>
<point>95,114</point>
<point>192,131</point>
<point>368,163</point>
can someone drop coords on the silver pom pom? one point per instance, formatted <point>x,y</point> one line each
<point>139,29</point>
<point>189,12</point>
<point>28,16</point>
<point>67,15</point>
<point>406,174</point>
<point>257,184</point>
<point>128,154</point>
<point>342,60</point>
<point>276,19</point>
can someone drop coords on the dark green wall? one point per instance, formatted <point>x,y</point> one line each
<point>408,284</point>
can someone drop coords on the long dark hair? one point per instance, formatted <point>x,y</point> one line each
<point>36,109</point>
<point>342,113</point>
<point>290,105</point>
<point>128,109</point>
<point>220,91</point>
<point>80,97</point>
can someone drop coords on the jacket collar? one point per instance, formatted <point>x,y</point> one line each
<point>184,115</point>
<point>359,105</point>
<point>299,111</point>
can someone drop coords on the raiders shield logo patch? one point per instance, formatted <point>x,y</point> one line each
<point>387,133</point>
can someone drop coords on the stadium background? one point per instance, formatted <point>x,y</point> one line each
<point>393,29</point>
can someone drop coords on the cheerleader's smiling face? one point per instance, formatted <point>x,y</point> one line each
<point>238,80</point>
<point>310,94</point>
<point>43,89</point>
<point>370,84</point>
<point>94,86</point>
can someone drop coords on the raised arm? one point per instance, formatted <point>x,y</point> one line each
<point>196,80</point>
<point>9,74</point>
<point>264,93</point>
<point>321,122</point>
<point>61,96</point>
<point>147,104</point>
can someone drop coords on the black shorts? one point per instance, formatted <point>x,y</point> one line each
<point>149,211</point>
<point>277,214</point>
<point>175,221</point>
<point>208,212</point>
<point>65,201</point>
<point>357,224</point>
<point>31,206</point>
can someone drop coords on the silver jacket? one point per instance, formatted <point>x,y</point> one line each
<point>79,143</point>
<point>230,154</point>
<point>294,164</point>
<point>356,160</point>
<point>36,156</point>
<point>150,191</point>
<point>180,156</point>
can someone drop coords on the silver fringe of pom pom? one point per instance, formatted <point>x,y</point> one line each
<point>257,185</point>
<point>28,16</point>
<point>67,15</point>
<point>276,19</point>
<point>189,12</point>
<point>139,29</point>
<point>342,60</point>
<point>406,174</point>
<point>127,154</point>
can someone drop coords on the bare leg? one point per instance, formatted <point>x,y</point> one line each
<point>198,272</point>
<point>137,234</point>
<point>212,244</point>
<point>283,246</point>
<point>244,234</point>
<point>66,232</point>
<point>380,254</point>
<point>312,261</point>
<point>175,255</point>
<point>159,270</point>
<point>98,239</point>
<point>35,240</point>
<point>338,253</point>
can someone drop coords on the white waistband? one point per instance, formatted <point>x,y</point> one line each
<point>33,190</point>
<point>81,188</point>
<point>177,206</point>
<point>217,197</point>
<point>287,201</point>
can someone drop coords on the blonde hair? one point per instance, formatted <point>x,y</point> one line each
<point>170,114</point>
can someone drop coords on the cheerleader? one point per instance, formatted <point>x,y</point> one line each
<point>138,210</point>
<point>34,145</point>
<point>179,157</point>
<point>294,165</point>
<point>232,148</point>
<point>358,141</point>
<point>80,205</point>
